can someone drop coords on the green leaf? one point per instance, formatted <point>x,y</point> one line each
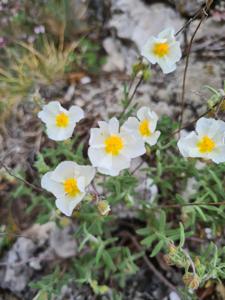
<point>157,248</point>
<point>149,240</point>
<point>182,235</point>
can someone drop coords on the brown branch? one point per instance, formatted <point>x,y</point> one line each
<point>147,261</point>
<point>204,14</point>
<point>202,115</point>
<point>39,189</point>
<point>196,15</point>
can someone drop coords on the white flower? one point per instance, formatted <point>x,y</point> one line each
<point>111,150</point>
<point>67,183</point>
<point>164,50</point>
<point>144,126</point>
<point>207,142</point>
<point>60,122</point>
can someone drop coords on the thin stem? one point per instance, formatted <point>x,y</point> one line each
<point>190,204</point>
<point>131,97</point>
<point>148,263</point>
<point>39,189</point>
<point>185,71</point>
<point>202,115</point>
<point>204,14</point>
<point>196,15</point>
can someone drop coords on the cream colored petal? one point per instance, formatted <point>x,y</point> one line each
<point>152,140</point>
<point>76,114</point>
<point>48,183</point>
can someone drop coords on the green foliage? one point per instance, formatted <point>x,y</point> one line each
<point>50,285</point>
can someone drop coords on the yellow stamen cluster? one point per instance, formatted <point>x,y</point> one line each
<point>206,144</point>
<point>71,187</point>
<point>113,144</point>
<point>62,120</point>
<point>144,128</point>
<point>161,49</point>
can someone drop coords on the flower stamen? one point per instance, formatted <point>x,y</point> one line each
<point>71,187</point>
<point>161,49</point>
<point>62,120</point>
<point>206,144</point>
<point>113,144</point>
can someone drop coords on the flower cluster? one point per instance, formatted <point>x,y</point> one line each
<point>112,147</point>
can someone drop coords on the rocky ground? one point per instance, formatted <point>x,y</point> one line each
<point>124,31</point>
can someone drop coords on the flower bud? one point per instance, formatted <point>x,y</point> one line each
<point>172,248</point>
<point>103,208</point>
<point>191,280</point>
<point>168,260</point>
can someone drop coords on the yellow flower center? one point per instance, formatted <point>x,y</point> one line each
<point>161,49</point>
<point>206,144</point>
<point>70,187</point>
<point>144,128</point>
<point>62,120</point>
<point>113,144</point>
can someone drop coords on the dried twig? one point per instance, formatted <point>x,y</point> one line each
<point>204,14</point>
<point>147,261</point>
<point>37,188</point>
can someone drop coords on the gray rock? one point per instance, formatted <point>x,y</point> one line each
<point>43,243</point>
<point>189,7</point>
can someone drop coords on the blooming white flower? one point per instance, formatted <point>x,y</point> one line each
<point>60,122</point>
<point>111,149</point>
<point>144,126</point>
<point>67,183</point>
<point>164,50</point>
<point>207,142</point>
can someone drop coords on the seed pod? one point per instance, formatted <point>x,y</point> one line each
<point>168,260</point>
<point>172,248</point>
<point>103,208</point>
<point>191,280</point>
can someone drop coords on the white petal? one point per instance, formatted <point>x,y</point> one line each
<point>111,172</point>
<point>76,114</point>
<point>187,145</point>
<point>168,34</point>
<point>113,126</point>
<point>120,162</point>
<point>130,125</point>
<point>97,137</point>
<point>142,113</point>
<point>99,158</point>
<point>88,172</point>
<point>51,110</point>
<point>203,126</point>
<point>147,50</point>
<point>64,170</point>
<point>81,183</point>
<point>212,128</point>
<point>166,65</point>
<point>175,52</point>
<point>152,140</point>
<point>104,126</point>
<point>59,134</point>
<point>134,145</point>
<point>66,205</point>
<point>46,117</point>
<point>218,156</point>
<point>52,186</point>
